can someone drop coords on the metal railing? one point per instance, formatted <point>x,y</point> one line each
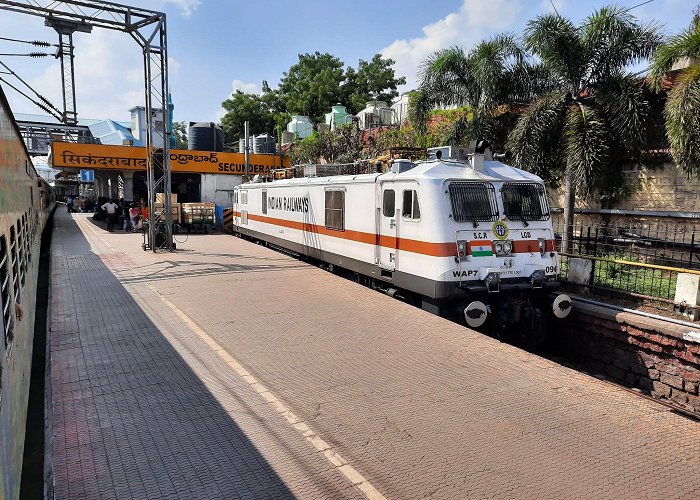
<point>641,259</point>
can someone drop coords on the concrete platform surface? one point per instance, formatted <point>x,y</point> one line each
<point>229,370</point>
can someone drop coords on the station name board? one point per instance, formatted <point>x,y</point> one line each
<point>99,156</point>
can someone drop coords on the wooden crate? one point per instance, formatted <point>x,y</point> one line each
<point>160,198</point>
<point>175,210</point>
<point>198,213</point>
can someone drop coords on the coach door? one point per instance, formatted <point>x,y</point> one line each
<point>389,217</point>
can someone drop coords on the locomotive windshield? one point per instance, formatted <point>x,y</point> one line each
<point>524,202</point>
<point>473,202</point>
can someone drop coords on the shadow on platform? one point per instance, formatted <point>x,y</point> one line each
<point>130,417</point>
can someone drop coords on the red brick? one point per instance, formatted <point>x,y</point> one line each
<point>679,396</point>
<point>660,390</point>
<point>690,375</point>
<point>691,387</point>
<point>672,380</point>
<point>668,368</point>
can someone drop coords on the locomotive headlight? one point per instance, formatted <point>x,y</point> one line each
<point>542,245</point>
<point>503,248</point>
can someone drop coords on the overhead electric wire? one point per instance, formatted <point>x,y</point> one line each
<point>30,54</point>
<point>44,100</point>
<point>36,43</point>
<point>639,5</point>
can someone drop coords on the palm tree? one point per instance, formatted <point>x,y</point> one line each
<point>596,113</point>
<point>682,112</point>
<point>494,73</point>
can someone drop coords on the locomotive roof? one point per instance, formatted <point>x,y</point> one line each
<point>493,171</point>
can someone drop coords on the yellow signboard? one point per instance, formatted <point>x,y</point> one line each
<point>101,157</point>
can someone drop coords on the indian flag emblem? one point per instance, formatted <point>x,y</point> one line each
<point>481,248</point>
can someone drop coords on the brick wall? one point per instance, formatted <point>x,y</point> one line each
<point>655,187</point>
<point>652,355</point>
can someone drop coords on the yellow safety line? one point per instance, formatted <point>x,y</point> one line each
<point>347,470</point>
<point>628,263</point>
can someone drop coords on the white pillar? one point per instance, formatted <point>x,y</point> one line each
<point>128,176</point>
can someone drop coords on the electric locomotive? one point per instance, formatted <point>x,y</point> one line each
<point>458,233</point>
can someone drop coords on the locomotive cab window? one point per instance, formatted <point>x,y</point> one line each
<point>335,209</point>
<point>244,197</point>
<point>473,202</point>
<point>411,208</point>
<point>389,203</point>
<point>524,202</point>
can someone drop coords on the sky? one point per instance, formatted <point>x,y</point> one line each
<point>218,46</point>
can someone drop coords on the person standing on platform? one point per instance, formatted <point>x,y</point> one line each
<point>134,216</point>
<point>69,203</point>
<point>111,209</point>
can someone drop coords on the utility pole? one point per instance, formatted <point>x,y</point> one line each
<point>246,138</point>
<point>65,30</point>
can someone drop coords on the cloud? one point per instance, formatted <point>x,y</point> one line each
<point>248,88</point>
<point>186,7</point>
<point>108,76</point>
<point>475,20</point>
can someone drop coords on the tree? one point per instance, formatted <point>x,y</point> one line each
<point>242,107</point>
<point>372,81</point>
<point>180,135</point>
<point>312,85</point>
<point>595,117</point>
<point>682,111</point>
<point>494,73</point>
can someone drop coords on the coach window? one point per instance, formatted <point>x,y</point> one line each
<point>335,209</point>
<point>411,208</point>
<point>264,201</point>
<point>5,291</point>
<point>389,203</point>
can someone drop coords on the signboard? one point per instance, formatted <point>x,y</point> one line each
<point>103,157</point>
<point>87,175</point>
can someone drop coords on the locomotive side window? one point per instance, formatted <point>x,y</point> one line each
<point>5,291</point>
<point>335,209</point>
<point>524,202</point>
<point>264,201</point>
<point>244,197</point>
<point>411,209</point>
<point>473,202</point>
<point>389,203</point>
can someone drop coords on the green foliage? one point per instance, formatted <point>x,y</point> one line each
<point>180,135</point>
<point>682,113</point>
<point>311,86</point>
<point>496,72</point>
<point>372,81</point>
<point>596,119</point>
<point>345,144</point>
<point>241,107</point>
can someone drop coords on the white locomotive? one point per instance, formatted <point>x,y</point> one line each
<point>459,232</point>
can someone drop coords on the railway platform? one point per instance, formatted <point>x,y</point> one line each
<point>229,370</point>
